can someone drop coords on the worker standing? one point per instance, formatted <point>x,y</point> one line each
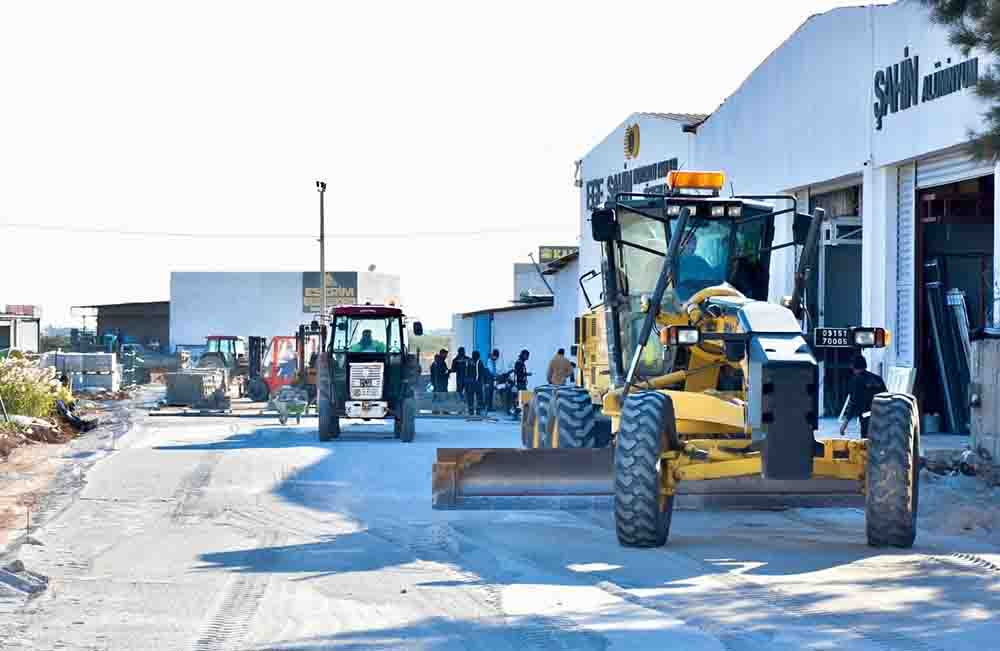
<point>439,378</point>
<point>475,374</point>
<point>521,371</point>
<point>490,382</point>
<point>560,368</point>
<point>459,365</point>
<point>865,385</point>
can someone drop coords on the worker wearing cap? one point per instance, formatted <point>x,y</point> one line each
<point>865,385</point>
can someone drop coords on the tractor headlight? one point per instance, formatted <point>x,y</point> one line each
<point>718,211</point>
<point>673,210</point>
<point>735,211</point>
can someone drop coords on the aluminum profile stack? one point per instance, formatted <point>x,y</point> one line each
<point>86,371</point>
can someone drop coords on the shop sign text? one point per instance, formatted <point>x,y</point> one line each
<point>898,87</point>
<point>599,189</point>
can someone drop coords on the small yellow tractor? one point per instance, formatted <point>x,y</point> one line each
<point>700,381</point>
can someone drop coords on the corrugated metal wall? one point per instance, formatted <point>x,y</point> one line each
<point>906,256</point>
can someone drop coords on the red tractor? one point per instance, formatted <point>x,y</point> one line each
<point>367,371</point>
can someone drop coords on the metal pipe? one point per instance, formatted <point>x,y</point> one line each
<point>321,187</point>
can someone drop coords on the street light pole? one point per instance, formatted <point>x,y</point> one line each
<point>321,187</point>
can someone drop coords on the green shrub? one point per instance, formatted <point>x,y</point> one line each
<point>27,389</point>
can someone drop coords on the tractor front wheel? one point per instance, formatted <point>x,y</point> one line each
<point>893,473</point>
<point>329,422</point>
<point>406,421</point>
<point>642,518</point>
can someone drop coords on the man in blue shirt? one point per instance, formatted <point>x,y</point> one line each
<point>491,379</point>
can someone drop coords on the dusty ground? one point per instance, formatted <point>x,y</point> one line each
<point>210,534</point>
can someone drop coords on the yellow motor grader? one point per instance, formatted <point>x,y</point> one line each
<point>703,386</point>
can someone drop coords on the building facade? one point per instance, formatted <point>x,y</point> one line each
<point>264,303</point>
<point>865,112</point>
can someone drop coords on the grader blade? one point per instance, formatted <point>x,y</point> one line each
<point>499,478</point>
<point>569,479</point>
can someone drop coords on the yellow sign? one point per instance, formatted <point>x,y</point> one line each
<point>632,141</point>
<point>341,289</point>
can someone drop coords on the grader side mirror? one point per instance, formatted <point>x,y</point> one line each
<point>418,328</point>
<point>603,226</point>
<point>800,228</point>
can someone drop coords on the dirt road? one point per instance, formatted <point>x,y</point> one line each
<point>214,534</point>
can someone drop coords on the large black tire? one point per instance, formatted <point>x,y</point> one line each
<point>893,474</point>
<point>257,390</point>
<point>329,423</point>
<point>538,410</point>
<point>646,427</point>
<point>574,414</point>
<point>408,418</point>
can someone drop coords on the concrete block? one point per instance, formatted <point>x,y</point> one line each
<point>99,362</point>
<point>193,386</point>
<point>95,381</point>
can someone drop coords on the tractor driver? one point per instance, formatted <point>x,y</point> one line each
<point>367,344</point>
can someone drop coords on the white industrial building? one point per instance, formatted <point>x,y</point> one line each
<point>538,320</point>
<point>865,112</point>
<point>264,303</point>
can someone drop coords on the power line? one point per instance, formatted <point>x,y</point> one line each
<point>283,236</point>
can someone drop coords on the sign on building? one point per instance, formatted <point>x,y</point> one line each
<point>341,289</point>
<point>553,253</point>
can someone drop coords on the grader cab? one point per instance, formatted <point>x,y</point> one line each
<point>709,388</point>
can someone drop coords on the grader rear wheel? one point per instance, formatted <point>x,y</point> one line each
<point>647,426</point>
<point>538,410</point>
<point>893,474</point>
<point>574,414</point>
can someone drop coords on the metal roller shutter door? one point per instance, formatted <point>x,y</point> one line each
<point>905,265</point>
<point>949,168</point>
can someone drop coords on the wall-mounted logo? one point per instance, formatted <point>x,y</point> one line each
<point>898,86</point>
<point>632,141</point>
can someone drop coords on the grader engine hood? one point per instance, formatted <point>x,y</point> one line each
<point>781,391</point>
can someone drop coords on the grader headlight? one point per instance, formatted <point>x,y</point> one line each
<point>870,337</point>
<point>682,336</point>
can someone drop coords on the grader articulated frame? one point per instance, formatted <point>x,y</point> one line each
<point>711,390</point>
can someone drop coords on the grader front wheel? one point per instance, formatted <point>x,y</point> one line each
<point>893,473</point>
<point>647,425</point>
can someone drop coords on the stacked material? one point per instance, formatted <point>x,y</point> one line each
<point>86,371</point>
<point>194,386</point>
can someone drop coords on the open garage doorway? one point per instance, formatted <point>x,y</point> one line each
<point>955,249</point>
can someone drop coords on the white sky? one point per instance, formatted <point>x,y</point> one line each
<point>423,117</point>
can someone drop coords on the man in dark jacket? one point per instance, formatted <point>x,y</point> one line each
<point>864,387</point>
<point>475,375</point>
<point>521,371</point>
<point>439,378</point>
<point>459,365</point>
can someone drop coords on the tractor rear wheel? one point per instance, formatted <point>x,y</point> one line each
<point>407,420</point>
<point>642,518</point>
<point>893,473</point>
<point>575,417</point>
<point>538,412</point>
<point>329,423</point>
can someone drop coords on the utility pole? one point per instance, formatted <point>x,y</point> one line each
<point>321,188</point>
